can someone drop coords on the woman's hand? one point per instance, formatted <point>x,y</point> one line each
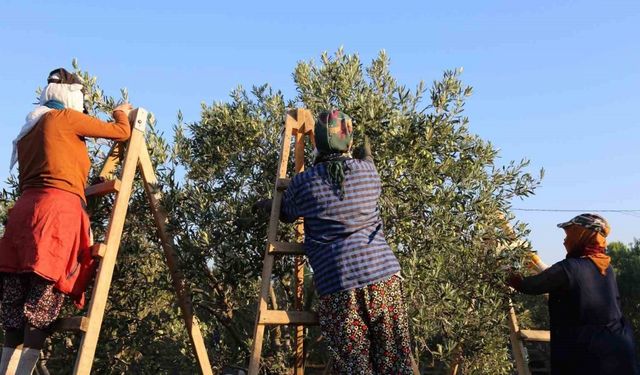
<point>124,107</point>
<point>514,280</point>
<point>363,151</point>
<point>262,207</point>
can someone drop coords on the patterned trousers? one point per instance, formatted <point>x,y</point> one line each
<point>28,298</point>
<point>367,329</point>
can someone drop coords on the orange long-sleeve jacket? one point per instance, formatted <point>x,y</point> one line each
<point>54,153</point>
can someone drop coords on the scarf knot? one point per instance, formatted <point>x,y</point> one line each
<point>335,164</point>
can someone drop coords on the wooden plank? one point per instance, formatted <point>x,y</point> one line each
<point>517,347</point>
<point>267,267</point>
<point>98,250</point>
<point>295,126</point>
<point>282,317</point>
<point>298,268</point>
<point>258,334</point>
<point>535,335</point>
<point>310,127</point>
<point>277,337</point>
<point>114,157</point>
<point>285,147</point>
<point>304,122</point>
<point>515,334</point>
<point>154,196</point>
<point>286,248</point>
<point>103,188</point>
<point>73,323</point>
<point>98,302</point>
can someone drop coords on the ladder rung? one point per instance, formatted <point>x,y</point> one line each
<point>535,335</point>
<point>282,183</point>
<point>98,250</point>
<point>287,248</point>
<point>281,317</point>
<point>74,323</point>
<point>102,188</point>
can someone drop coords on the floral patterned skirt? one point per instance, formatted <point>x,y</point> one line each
<point>28,298</point>
<point>367,329</point>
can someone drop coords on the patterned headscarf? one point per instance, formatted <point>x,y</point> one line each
<point>586,237</point>
<point>594,222</point>
<point>334,136</point>
<point>333,132</point>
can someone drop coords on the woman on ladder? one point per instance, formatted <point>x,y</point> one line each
<point>44,254</point>
<point>589,335</point>
<point>361,309</point>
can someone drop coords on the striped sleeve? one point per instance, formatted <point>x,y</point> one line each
<point>289,208</point>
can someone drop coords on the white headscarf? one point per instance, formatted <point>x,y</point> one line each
<point>70,95</point>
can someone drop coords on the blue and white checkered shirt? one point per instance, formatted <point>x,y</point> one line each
<point>344,239</point>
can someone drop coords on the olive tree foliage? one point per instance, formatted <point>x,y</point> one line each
<point>229,159</point>
<point>445,206</point>
<point>142,331</point>
<point>626,263</point>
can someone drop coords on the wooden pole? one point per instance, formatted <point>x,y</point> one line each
<point>267,268</point>
<point>299,260</point>
<point>98,302</point>
<point>114,157</point>
<point>154,195</point>
<point>517,346</point>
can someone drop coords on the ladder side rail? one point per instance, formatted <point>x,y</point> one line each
<point>86,353</point>
<point>110,164</point>
<point>274,218</point>
<point>517,342</point>
<point>267,268</point>
<point>299,259</point>
<point>517,345</point>
<point>154,196</point>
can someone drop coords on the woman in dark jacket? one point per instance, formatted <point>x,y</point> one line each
<point>589,335</point>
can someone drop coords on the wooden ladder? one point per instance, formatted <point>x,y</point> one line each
<point>298,122</point>
<point>518,336</point>
<point>133,155</point>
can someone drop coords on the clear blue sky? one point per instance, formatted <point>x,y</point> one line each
<point>555,82</point>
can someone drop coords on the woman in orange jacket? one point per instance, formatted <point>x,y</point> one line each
<point>44,254</point>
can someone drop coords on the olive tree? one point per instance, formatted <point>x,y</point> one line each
<point>445,205</point>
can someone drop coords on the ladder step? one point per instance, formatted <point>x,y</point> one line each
<point>286,248</point>
<point>98,250</point>
<point>102,188</point>
<point>74,323</point>
<point>282,184</point>
<point>281,317</point>
<point>535,335</point>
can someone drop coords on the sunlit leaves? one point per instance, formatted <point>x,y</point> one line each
<point>445,205</point>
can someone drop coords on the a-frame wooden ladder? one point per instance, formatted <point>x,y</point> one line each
<point>133,155</point>
<point>298,123</point>
<point>518,336</point>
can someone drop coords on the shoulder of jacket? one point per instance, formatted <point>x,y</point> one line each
<point>71,113</point>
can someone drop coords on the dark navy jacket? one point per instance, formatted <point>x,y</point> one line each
<point>588,332</point>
